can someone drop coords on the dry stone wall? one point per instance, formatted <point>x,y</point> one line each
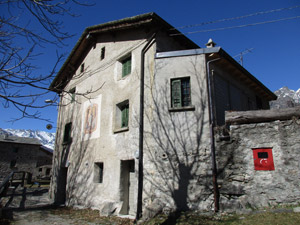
<point>241,185</point>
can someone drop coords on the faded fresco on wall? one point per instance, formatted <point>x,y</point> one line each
<point>91,118</point>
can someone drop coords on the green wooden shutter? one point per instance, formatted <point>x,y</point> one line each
<point>126,67</point>
<point>125,112</point>
<point>176,93</point>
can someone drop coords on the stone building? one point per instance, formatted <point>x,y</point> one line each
<point>22,154</point>
<point>137,100</point>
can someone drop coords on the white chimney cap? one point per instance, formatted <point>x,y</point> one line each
<point>210,43</point>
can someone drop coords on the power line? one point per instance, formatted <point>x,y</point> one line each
<point>236,18</point>
<point>238,26</point>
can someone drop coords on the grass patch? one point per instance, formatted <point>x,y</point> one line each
<point>265,218</point>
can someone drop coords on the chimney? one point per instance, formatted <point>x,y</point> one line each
<point>210,43</point>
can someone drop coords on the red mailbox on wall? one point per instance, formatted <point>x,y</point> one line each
<point>263,159</point>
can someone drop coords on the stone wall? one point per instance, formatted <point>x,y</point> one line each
<point>22,157</point>
<point>241,185</point>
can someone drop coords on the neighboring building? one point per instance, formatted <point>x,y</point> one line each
<point>22,154</point>
<point>133,129</point>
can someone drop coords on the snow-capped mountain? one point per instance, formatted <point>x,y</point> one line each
<point>47,139</point>
<point>286,98</point>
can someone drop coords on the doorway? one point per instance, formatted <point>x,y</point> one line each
<point>127,187</point>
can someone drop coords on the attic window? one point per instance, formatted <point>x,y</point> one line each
<point>82,68</point>
<point>72,94</point>
<point>102,56</point>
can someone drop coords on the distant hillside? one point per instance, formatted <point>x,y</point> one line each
<point>47,139</point>
<point>286,98</point>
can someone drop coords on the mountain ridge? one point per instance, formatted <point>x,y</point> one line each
<point>46,139</point>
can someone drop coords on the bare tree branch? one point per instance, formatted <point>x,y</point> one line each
<point>20,40</point>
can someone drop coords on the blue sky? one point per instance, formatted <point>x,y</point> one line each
<point>274,57</point>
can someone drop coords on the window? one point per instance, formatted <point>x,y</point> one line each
<point>122,116</point>
<point>126,66</point>
<point>72,94</point>
<point>67,133</point>
<point>102,56</point>
<point>125,114</point>
<point>98,172</point>
<point>82,68</point>
<point>180,92</point>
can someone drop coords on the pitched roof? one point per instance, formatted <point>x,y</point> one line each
<point>85,41</point>
<point>19,140</point>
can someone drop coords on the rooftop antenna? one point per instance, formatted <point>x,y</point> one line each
<point>242,54</point>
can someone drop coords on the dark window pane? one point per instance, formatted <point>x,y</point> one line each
<point>262,155</point>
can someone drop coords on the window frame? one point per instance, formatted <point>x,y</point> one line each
<point>178,96</point>
<point>67,138</point>
<point>72,93</point>
<point>126,65</point>
<point>122,115</point>
<point>98,172</point>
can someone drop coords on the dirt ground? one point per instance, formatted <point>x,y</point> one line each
<point>31,205</point>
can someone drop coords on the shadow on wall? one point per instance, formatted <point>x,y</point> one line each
<point>70,172</point>
<point>177,160</point>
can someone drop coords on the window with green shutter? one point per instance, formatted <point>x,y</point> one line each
<point>126,66</point>
<point>124,115</point>
<point>180,92</point>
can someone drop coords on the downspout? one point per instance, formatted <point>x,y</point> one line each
<point>212,136</point>
<point>150,42</point>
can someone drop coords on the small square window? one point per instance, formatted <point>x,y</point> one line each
<point>82,68</point>
<point>67,133</point>
<point>72,94</point>
<point>180,92</point>
<point>98,172</point>
<point>126,66</point>
<point>102,56</point>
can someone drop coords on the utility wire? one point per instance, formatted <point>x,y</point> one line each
<point>239,26</point>
<point>236,18</point>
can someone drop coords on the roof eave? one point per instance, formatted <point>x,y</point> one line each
<point>85,41</point>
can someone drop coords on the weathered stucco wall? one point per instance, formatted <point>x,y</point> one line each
<point>108,144</point>
<point>177,174</point>
<point>241,186</point>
